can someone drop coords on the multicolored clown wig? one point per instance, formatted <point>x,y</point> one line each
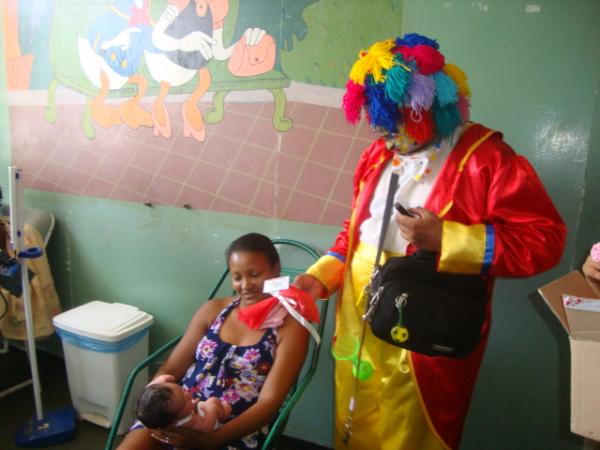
<point>406,87</point>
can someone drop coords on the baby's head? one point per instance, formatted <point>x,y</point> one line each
<point>252,259</point>
<point>162,404</point>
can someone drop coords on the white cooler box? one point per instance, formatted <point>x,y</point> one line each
<point>102,343</point>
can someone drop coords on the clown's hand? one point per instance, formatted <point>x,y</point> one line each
<point>311,285</point>
<point>423,231</point>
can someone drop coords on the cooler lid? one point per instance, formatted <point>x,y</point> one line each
<point>110,322</point>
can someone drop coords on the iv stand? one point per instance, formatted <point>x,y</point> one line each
<point>57,426</point>
<point>17,241</point>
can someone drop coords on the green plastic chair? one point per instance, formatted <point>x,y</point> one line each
<point>295,257</point>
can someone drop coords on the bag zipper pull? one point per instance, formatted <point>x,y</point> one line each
<point>373,302</point>
<point>399,332</point>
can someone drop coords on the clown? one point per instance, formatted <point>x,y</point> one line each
<point>475,202</point>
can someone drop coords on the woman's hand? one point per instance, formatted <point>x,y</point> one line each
<point>310,284</point>
<point>591,270</point>
<point>423,231</point>
<point>182,437</point>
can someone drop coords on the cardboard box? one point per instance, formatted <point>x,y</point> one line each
<point>583,328</point>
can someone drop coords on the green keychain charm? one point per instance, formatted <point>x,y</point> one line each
<point>400,333</point>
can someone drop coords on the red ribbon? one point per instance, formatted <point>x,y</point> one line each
<point>254,316</point>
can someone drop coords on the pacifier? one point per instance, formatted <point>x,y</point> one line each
<point>346,348</point>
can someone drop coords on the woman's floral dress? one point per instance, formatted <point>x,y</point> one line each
<point>233,373</point>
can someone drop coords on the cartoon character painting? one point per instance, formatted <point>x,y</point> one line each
<point>111,56</point>
<point>175,49</point>
<point>189,33</point>
<point>18,65</point>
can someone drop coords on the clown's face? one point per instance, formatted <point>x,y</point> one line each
<point>400,141</point>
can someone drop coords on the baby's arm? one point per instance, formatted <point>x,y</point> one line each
<point>208,414</point>
<point>290,355</point>
<point>203,419</point>
<point>291,352</point>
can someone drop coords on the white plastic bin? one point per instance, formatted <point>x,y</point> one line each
<point>102,343</point>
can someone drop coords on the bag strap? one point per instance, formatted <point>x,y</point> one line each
<point>387,212</point>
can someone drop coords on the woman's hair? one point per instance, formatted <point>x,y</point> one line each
<point>254,242</point>
<point>153,406</point>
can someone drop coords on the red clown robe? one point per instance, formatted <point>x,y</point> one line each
<point>497,220</point>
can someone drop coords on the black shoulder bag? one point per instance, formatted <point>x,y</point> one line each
<point>413,306</point>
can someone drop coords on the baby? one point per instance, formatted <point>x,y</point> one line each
<point>164,403</point>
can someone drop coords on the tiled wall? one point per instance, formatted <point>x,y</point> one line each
<point>244,166</point>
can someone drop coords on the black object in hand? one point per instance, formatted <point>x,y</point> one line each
<point>402,210</point>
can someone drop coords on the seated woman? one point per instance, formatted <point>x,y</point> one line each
<point>219,356</point>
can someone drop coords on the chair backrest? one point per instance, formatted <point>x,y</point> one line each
<point>295,257</point>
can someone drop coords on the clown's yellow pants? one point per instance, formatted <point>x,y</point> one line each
<point>388,413</point>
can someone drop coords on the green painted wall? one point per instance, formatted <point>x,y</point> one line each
<point>338,30</point>
<point>588,230</point>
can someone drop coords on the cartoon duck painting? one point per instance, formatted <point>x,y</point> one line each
<point>111,55</point>
<point>189,33</point>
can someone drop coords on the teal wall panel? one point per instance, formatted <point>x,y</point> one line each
<point>338,30</point>
<point>588,229</point>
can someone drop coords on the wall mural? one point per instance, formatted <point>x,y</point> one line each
<point>183,103</point>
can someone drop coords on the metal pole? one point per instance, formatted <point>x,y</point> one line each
<point>17,241</point>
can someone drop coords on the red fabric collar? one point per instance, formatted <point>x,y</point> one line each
<point>254,316</point>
